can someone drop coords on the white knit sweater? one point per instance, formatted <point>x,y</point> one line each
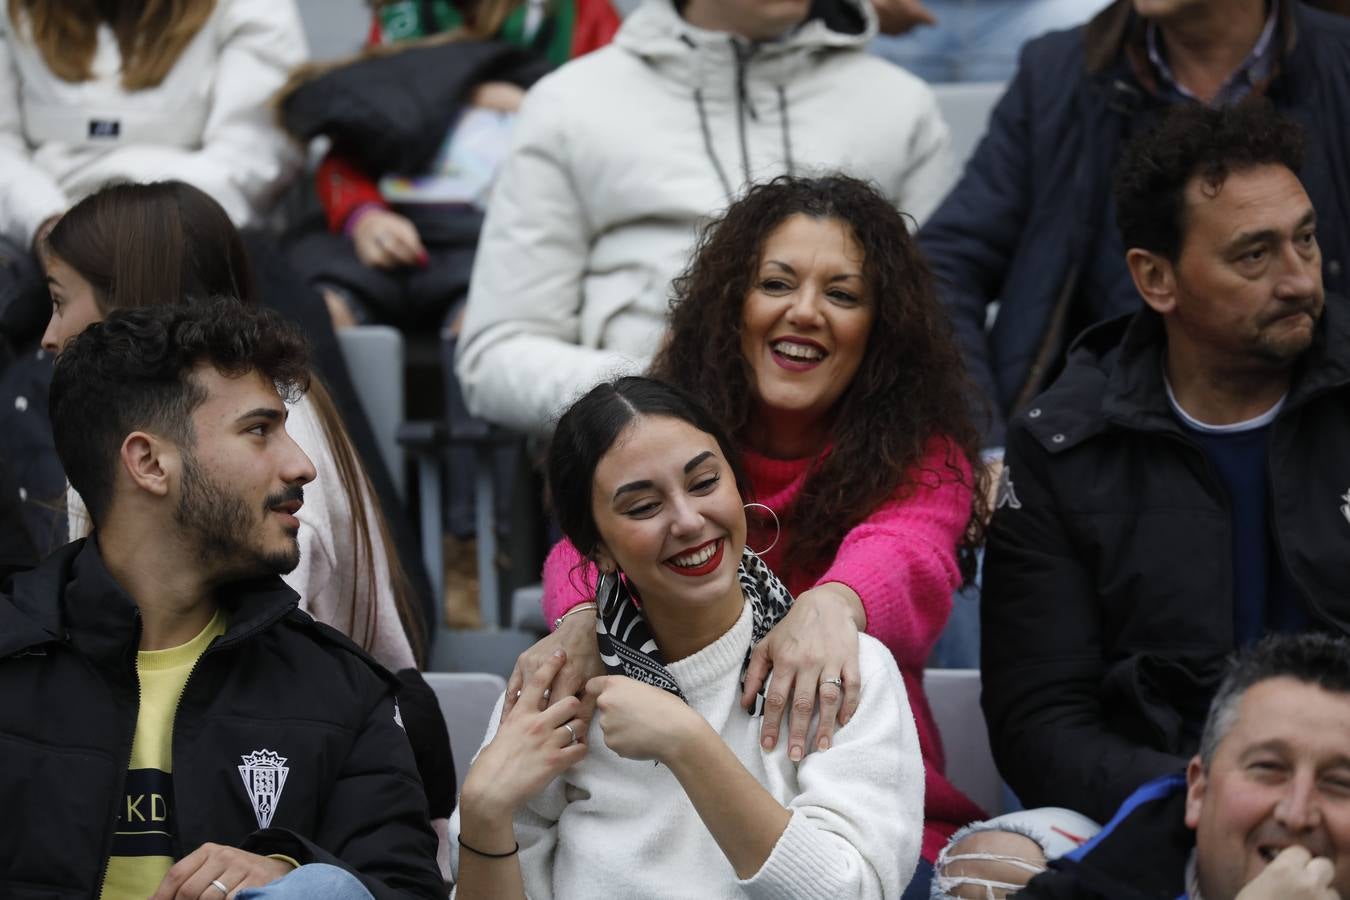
<point>612,827</point>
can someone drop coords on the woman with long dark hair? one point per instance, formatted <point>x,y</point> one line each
<point>558,803</point>
<point>807,323</point>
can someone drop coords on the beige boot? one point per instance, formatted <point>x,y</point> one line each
<point>461,583</point>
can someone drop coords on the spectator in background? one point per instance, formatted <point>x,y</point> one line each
<point>806,322</point>
<point>173,725</point>
<point>620,155</point>
<point>648,487</point>
<point>403,194</point>
<point>1180,491</point>
<point>398,246</point>
<point>1263,810</point>
<point>1029,224</point>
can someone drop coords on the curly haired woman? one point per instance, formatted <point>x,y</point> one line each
<point>808,326</point>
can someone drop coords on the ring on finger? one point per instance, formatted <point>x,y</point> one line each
<point>568,726</point>
<point>547,692</point>
<point>215,883</point>
<point>836,681</point>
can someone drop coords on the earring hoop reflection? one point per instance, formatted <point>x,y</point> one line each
<point>777,528</point>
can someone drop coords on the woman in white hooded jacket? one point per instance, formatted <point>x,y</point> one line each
<point>78,111</point>
<point>620,155</point>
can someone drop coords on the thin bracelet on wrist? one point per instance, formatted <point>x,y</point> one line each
<point>576,609</point>
<point>514,850</point>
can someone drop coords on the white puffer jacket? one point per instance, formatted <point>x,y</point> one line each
<point>207,123</point>
<point>620,155</point>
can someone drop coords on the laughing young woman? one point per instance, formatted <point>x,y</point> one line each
<point>807,324</point>
<point>560,803</point>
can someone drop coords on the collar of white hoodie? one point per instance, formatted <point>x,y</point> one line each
<point>698,57</point>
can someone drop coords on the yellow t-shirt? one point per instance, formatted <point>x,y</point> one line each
<point>142,849</point>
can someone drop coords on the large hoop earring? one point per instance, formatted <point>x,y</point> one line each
<point>777,527</point>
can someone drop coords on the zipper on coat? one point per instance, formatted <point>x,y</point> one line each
<point>119,795</point>
<point>216,644</point>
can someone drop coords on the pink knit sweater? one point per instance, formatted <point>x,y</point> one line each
<point>900,560</point>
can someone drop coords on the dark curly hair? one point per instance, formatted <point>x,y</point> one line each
<point>132,372</point>
<point>1190,140</point>
<point>909,391</point>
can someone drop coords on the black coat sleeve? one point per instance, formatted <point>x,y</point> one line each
<point>971,239</point>
<point>1041,655</point>
<point>375,822</point>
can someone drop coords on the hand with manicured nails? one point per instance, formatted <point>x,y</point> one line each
<point>575,636</point>
<point>640,721</point>
<point>531,748</point>
<point>1293,875</point>
<point>386,240</point>
<point>191,877</point>
<point>816,640</point>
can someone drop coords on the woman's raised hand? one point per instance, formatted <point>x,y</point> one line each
<point>814,644</point>
<point>532,746</point>
<point>575,636</point>
<point>640,721</point>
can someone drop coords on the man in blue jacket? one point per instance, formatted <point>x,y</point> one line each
<point>1263,809</point>
<point>1030,225</point>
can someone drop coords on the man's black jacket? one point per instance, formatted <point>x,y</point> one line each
<point>1108,599</point>
<point>1141,854</point>
<point>1022,224</point>
<point>276,682</point>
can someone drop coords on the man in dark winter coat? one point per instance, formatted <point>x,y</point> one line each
<point>173,726</point>
<point>1263,811</point>
<point>1182,489</point>
<point>1030,223</point>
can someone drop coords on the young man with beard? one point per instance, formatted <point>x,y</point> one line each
<point>1180,491</point>
<point>173,726</point>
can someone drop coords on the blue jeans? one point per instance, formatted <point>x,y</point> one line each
<point>311,881</point>
<point>979,40</point>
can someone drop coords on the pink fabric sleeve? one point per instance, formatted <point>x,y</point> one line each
<point>569,580</point>
<point>901,560</point>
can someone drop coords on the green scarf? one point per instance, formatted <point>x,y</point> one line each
<point>411,19</point>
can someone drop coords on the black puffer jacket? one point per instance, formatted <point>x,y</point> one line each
<point>277,687</point>
<point>1108,597</point>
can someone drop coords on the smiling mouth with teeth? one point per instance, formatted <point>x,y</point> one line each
<point>798,352</point>
<point>697,557</point>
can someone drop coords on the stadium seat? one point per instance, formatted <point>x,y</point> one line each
<point>954,697</point>
<point>466,700</point>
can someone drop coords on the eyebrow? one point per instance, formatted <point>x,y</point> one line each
<point>262,412</point>
<point>1265,235</point>
<point>646,483</point>
<point>842,276</point>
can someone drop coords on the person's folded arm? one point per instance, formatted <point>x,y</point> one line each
<point>520,360</point>
<point>28,194</point>
<point>970,240</point>
<point>901,560</point>
<point>1042,662</point>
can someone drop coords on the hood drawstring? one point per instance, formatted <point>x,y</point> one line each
<point>743,106</point>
